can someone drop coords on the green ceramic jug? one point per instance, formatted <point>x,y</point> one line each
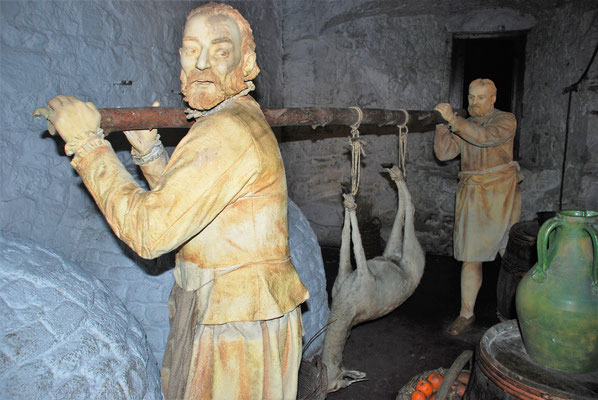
<point>557,300</point>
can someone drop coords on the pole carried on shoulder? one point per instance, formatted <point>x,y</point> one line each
<point>124,119</point>
<point>120,119</point>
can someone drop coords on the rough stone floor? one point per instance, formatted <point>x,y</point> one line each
<point>413,339</point>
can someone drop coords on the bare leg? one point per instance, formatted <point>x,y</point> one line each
<point>344,264</point>
<point>394,246</point>
<point>471,281</point>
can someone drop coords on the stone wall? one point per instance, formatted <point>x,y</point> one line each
<point>383,55</point>
<point>559,49</point>
<point>87,49</point>
<point>351,54</point>
<point>64,335</point>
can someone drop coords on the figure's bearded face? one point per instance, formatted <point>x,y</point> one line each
<point>211,67</point>
<point>204,90</point>
<point>480,101</point>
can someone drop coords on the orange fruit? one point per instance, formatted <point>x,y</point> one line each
<point>425,387</point>
<point>417,395</point>
<point>435,379</point>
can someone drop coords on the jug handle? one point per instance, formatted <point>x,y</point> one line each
<point>539,275</point>
<point>592,232</point>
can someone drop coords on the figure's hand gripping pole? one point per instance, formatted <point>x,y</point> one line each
<point>121,119</point>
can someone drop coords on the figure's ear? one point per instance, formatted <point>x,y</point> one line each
<point>493,99</point>
<point>248,64</point>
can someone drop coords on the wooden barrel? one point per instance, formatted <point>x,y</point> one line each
<point>520,255</point>
<point>504,371</point>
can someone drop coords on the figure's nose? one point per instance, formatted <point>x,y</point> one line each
<point>203,61</point>
<point>474,100</point>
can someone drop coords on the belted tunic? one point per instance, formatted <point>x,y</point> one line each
<point>488,199</point>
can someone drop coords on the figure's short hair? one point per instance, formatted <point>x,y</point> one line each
<point>247,41</point>
<point>484,82</point>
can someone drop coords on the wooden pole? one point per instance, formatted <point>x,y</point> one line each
<point>119,119</point>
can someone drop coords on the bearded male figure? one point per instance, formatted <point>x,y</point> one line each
<point>221,202</point>
<point>488,195</point>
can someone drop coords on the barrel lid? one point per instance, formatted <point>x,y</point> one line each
<point>501,356</point>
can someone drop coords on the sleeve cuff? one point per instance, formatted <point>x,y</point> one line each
<point>453,123</point>
<point>156,152</point>
<point>84,148</point>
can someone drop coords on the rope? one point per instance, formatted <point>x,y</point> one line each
<point>403,130</point>
<point>349,202</point>
<point>356,152</point>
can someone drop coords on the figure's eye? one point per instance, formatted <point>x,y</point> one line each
<point>222,53</point>
<point>189,51</point>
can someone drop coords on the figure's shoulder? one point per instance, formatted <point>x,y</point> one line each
<point>502,115</point>
<point>244,115</point>
<point>247,110</point>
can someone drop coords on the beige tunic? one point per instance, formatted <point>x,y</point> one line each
<point>221,200</point>
<point>488,195</point>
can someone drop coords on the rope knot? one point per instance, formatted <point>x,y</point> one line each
<point>357,144</point>
<point>349,202</point>
<point>395,173</point>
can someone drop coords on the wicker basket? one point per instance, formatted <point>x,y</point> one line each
<point>407,390</point>
<point>450,375</point>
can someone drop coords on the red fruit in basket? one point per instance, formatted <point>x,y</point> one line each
<point>435,379</point>
<point>417,395</point>
<point>464,377</point>
<point>425,387</point>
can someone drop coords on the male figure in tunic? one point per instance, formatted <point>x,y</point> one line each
<point>488,195</point>
<point>221,202</point>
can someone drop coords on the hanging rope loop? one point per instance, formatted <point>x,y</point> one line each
<point>355,126</point>
<point>402,153</point>
<point>356,152</point>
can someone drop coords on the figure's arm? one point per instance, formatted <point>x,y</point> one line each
<point>148,152</point>
<point>445,142</point>
<point>154,169</point>
<point>494,134</point>
<point>151,157</point>
<point>206,174</point>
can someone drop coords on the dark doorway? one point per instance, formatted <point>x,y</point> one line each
<point>499,57</point>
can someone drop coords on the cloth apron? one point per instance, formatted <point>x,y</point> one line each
<point>488,204</point>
